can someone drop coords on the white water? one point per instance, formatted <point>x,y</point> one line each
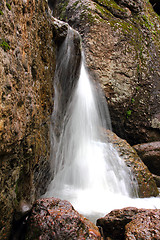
<point>87,170</point>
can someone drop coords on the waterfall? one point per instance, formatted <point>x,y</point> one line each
<point>87,170</point>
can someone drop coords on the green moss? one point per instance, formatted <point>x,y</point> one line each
<point>128,113</point>
<point>111,4</point>
<point>5,46</point>
<point>8,6</point>
<point>1,13</point>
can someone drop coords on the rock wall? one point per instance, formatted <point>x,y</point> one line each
<point>122,45</point>
<point>27,64</point>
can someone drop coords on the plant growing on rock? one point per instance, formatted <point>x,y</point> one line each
<point>5,46</point>
<point>8,6</point>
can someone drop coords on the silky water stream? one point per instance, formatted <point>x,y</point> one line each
<point>87,170</point>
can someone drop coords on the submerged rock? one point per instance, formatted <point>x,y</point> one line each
<point>146,184</point>
<point>53,218</point>
<point>131,223</point>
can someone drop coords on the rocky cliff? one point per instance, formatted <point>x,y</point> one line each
<point>27,56</point>
<point>122,46</point>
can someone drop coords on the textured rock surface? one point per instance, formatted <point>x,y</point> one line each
<point>146,183</point>
<point>145,225</point>
<point>27,64</point>
<point>131,223</point>
<point>53,218</point>
<point>150,155</point>
<point>122,45</point>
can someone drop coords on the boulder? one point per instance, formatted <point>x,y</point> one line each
<point>144,225</point>
<point>131,223</point>
<point>53,218</point>
<point>121,39</point>
<point>146,184</point>
<point>150,155</point>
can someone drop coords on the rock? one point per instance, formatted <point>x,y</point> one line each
<point>27,60</point>
<point>23,209</point>
<point>157,179</point>
<point>156,6</point>
<point>131,223</point>
<point>150,155</point>
<point>113,224</point>
<point>53,218</point>
<point>19,221</point>
<point>146,183</point>
<point>60,30</point>
<point>144,225</point>
<point>122,42</point>
<point>30,38</point>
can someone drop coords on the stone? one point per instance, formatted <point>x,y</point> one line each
<point>131,223</point>
<point>150,155</point>
<point>113,224</point>
<point>144,225</point>
<point>121,42</point>
<point>157,179</point>
<point>53,218</point>
<point>156,6</point>
<point>146,184</point>
<point>30,39</point>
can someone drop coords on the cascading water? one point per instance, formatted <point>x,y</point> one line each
<point>87,170</point>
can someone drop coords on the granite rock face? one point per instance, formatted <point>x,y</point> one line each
<point>122,46</point>
<point>53,218</point>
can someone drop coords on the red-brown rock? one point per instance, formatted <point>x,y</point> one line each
<point>131,223</point>
<point>53,218</point>
<point>145,225</point>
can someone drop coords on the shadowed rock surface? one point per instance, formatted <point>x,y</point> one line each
<point>150,155</point>
<point>131,223</point>
<point>53,218</point>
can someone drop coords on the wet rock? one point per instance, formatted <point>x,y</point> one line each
<point>122,43</point>
<point>53,218</point>
<point>144,225</point>
<point>146,183</point>
<point>28,46</point>
<point>131,223</point>
<point>157,179</point>
<point>150,155</point>
<point>60,30</point>
<point>113,224</point>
